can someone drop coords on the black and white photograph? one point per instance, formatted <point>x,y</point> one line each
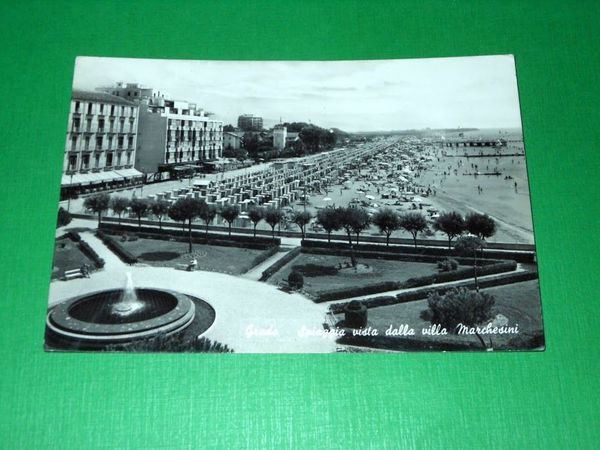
<point>294,207</point>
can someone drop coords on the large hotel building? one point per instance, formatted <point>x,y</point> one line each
<point>173,136</point>
<point>101,143</point>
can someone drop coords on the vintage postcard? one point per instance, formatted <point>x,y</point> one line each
<point>294,207</point>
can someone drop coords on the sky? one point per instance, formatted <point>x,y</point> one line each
<point>370,95</point>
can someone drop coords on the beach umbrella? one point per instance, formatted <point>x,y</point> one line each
<point>370,197</point>
<point>327,199</point>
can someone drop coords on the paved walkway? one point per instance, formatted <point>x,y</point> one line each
<point>256,272</point>
<point>432,286</point>
<point>251,317</point>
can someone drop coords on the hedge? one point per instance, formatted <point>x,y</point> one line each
<point>404,343</point>
<point>199,235</point>
<point>278,265</point>
<point>117,248</point>
<point>262,257</point>
<point>525,257</point>
<point>442,277</point>
<point>382,254</point>
<point>74,236</point>
<point>91,253</point>
<point>421,294</point>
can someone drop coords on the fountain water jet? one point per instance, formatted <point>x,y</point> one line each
<point>129,302</point>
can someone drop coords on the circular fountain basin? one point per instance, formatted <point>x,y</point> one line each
<point>100,319</point>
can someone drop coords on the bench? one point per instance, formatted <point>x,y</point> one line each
<point>74,273</point>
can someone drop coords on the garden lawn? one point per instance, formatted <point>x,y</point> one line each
<point>213,258</point>
<point>383,270</point>
<point>519,302</point>
<point>67,256</point>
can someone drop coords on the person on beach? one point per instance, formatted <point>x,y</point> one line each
<point>516,191</point>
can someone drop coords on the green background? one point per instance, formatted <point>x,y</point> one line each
<point>458,400</point>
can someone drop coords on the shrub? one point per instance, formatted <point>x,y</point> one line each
<point>460,306</point>
<point>90,253</point>
<point>295,280</point>
<point>447,265</point>
<point>315,270</point>
<point>172,343</point>
<point>63,218</point>
<point>268,273</point>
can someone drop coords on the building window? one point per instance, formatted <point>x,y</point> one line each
<point>128,158</point>
<point>76,123</point>
<point>112,110</point>
<point>118,159</point>
<point>100,125</point>
<point>130,142</point>
<point>73,162</point>
<point>101,108</point>
<point>85,164</point>
<point>110,143</point>
<point>112,124</point>
<point>122,110</point>
<point>131,126</point>
<point>99,143</point>
<point>74,143</point>
<point>109,159</point>
<point>132,109</point>
<point>120,142</point>
<point>77,105</point>
<point>87,142</point>
<point>97,161</point>
<point>89,111</point>
<point>88,124</point>
<point>122,125</point>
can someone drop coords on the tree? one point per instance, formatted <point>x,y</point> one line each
<point>229,213</point>
<point>186,209</point>
<point>414,223</point>
<point>97,203</point>
<point>302,218</point>
<point>470,245</point>
<point>361,221</point>
<point>256,215</point>
<point>207,214</point>
<point>452,224</point>
<point>481,225</point>
<point>139,206</point>
<point>251,142</point>
<point>119,205</point>
<point>159,208</point>
<point>273,216</point>
<point>63,218</point>
<point>387,221</point>
<point>330,220</point>
<point>461,307</point>
<point>176,213</point>
<point>228,127</point>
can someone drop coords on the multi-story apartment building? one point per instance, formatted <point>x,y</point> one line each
<point>250,122</point>
<point>173,135</point>
<point>101,143</point>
